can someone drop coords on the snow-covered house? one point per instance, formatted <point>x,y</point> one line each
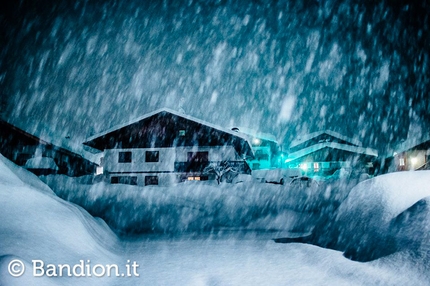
<point>411,154</point>
<point>28,150</point>
<point>265,147</point>
<point>165,147</point>
<point>323,153</point>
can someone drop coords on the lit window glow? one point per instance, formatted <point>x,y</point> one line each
<point>256,141</point>
<point>414,161</point>
<point>99,170</point>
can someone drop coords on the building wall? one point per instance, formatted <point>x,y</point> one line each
<point>319,139</point>
<point>262,158</point>
<point>327,161</point>
<point>410,160</point>
<point>139,171</point>
<point>166,161</point>
<point>167,158</point>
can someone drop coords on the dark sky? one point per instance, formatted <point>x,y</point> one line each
<point>284,67</point>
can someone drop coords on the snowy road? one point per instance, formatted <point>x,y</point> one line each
<point>254,259</point>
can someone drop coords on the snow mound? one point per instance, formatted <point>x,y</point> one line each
<point>393,193</point>
<point>195,206</point>
<point>366,221</point>
<point>36,225</point>
<point>18,176</point>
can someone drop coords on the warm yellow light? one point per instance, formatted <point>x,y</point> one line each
<point>190,178</point>
<point>414,160</point>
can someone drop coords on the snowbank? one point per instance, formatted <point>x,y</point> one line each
<point>197,206</point>
<point>379,215</point>
<point>37,225</point>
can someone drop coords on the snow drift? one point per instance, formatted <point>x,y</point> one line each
<point>36,224</point>
<point>380,216</point>
<point>199,206</point>
<point>380,213</point>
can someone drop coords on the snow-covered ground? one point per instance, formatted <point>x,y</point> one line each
<point>36,224</point>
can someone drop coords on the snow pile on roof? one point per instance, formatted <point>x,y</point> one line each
<point>41,163</point>
<point>256,134</point>
<point>333,145</point>
<point>47,136</point>
<point>37,225</point>
<point>304,138</point>
<point>412,142</point>
<point>119,126</point>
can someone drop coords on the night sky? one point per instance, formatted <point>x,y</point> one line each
<point>361,68</point>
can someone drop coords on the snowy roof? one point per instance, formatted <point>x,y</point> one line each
<point>41,163</point>
<point>46,137</point>
<point>410,143</point>
<point>256,134</point>
<point>176,113</point>
<point>307,137</point>
<point>344,147</point>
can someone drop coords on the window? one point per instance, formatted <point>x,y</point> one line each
<point>316,167</point>
<point>255,166</point>
<point>259,155</point>
<point>200,178</point>
<point>151,156</point>
<point>325,165</point>
<point>181,132</point>
<point>402,161</point>
<point>124,157</point>
<point>198,157</point>
<point>151,180</point>
<point>127,180</point>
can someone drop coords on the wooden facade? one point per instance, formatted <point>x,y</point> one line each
<point>265,147</point>
<point>20,146</point>
<point>166,147</point>
<point>411,156</point>
<point>323,153</point>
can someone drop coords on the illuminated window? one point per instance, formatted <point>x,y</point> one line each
<point>99,170</point>
<point>200,178</point>
<point>256,141</point>
<point>316,167</point>
<point>401,161</point>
